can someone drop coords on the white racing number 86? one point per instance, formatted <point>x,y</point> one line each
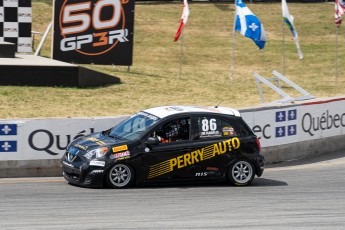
<point>208,125</point>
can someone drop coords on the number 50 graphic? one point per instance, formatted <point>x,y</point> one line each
<point>76,14</point>
<point>94,31</point>
<point>84,26</point>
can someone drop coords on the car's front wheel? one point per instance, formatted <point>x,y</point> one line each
<point>241,172</point>
<point>120,176</point>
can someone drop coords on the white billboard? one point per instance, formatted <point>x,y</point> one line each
<point>32,139</point>
<point>296,123</point>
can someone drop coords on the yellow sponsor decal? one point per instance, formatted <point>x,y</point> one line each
<point>122,158</point>
<point>120,148</point>
<point>80,146</point>
<point>99,142</point>
<point>194,157</point>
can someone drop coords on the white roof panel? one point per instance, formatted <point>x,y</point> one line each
<point>165,111</point>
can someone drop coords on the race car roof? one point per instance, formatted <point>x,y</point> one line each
<point>165,111</point>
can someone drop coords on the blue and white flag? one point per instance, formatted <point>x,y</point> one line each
<point>249,25</point>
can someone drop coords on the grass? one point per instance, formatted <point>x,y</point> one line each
<point>154,79</point>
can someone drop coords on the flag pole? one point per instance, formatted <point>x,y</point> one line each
<point>233,48</point>
<point>181,53</point>
<point>336,54</point>
<point>284,48</point>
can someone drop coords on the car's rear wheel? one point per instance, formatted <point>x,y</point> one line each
<point>120,176</point>
<point>241,172</point>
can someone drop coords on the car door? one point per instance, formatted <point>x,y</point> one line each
<point>215,137</point>
<point>169,160</point>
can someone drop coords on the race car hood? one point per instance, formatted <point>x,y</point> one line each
<point>96,140</point>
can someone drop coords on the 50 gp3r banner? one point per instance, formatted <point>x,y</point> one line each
<point>93,31</point>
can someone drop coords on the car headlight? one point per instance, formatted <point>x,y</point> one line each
<point>100,152</point>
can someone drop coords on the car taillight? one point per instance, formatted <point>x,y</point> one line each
<point>258,144</point>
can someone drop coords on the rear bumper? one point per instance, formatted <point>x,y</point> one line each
<point>260,164</point>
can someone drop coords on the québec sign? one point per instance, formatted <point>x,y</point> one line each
<point>301,122</point>
<point>53,141</point>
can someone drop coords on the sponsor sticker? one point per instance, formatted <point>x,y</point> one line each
<point>95,140</point>
<point>174,108</point>
<point>97,163</point>
<point>228,130</point>
<point>212,169</point>
<point>121,154</point>
<point>81,147</point>
<point>123,158</point>
<point>210,134</point>
<point>201,174</point>
<point>120,148</point>
<point>149,116</point>
<point>72,150</point>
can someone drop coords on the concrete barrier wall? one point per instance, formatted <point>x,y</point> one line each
<point>304,149</point>
<point>34,147</point>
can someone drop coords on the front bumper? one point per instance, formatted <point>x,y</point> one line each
<point>82,174</point>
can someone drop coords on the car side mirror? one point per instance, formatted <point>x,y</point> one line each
<point>152,141</point>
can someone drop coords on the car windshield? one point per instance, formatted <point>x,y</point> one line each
<point>134,126</point>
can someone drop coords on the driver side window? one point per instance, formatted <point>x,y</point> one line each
<point>173,131</point>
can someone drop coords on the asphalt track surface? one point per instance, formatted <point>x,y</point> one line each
<point>307,194</point>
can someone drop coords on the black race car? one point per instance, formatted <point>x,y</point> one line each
<point>170,143</point>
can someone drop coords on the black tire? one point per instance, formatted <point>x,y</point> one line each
<point>120,176</point>
<point>241,173</point>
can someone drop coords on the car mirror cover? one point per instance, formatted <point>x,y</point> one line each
<point>152,141</point>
